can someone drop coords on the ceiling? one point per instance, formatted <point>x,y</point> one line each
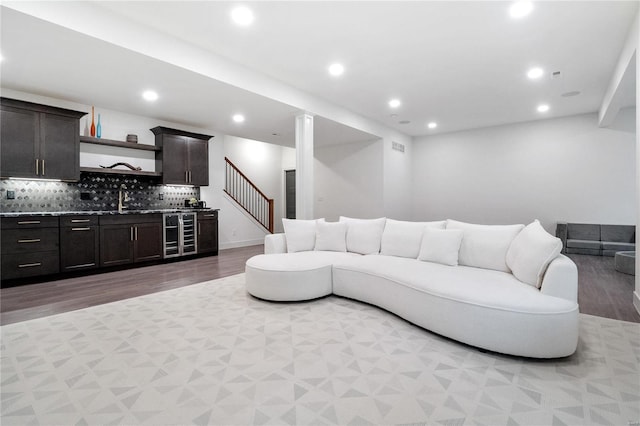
<point>461,64</point>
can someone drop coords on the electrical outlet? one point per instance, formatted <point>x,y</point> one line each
<point>233,233</point>
<point>161,196</point>
<point>11,195</point>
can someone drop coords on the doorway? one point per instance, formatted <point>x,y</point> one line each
<point>290,194</point>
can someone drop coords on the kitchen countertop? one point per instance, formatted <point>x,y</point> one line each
<point>104,212</point>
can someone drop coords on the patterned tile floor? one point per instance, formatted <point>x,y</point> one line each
<point>211,354</point>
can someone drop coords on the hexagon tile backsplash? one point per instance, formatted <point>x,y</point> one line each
<point>101,193</point>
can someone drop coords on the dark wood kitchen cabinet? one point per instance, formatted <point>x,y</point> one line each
<point>30,246</point>
<point>39,141</point>
<point>130,238</point>
<point>183,158</point>
<point>79,243</point>
<point>208,232</point>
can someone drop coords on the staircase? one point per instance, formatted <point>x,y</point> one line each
<point>248,196</point>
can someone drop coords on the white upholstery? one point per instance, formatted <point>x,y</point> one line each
<point>440,246</point>
<point>530,253</point>
<point>300,234</point>
<point>402,238</point>
<point>486,308</point>
<point>292,276</point>
<point>331,236</point>
<point>364,235</point>
<point>485,246</point>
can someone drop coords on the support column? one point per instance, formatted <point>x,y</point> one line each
<point>304,166</point>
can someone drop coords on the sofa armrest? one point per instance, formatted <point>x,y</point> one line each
<point>561,279</point>
<point>275,243</point>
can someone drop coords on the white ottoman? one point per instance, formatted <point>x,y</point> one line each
<point>292,276</point>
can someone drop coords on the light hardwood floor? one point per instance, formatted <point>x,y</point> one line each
<point>602,290</point>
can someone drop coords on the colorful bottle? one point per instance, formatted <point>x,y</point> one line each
<point>93,124</point>
<point>99,129</point>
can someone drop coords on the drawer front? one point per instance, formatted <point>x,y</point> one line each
<point>130,219</point>
<point>78,221</point>
<point>29,264</point>
<point>207,215</point>
<point>29,240</point>
<point>25,222</point>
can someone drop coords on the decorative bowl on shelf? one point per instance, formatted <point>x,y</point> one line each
<point>132,138</point>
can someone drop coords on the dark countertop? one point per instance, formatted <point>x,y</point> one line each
<point>103,212</point>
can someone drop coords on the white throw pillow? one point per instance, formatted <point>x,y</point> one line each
<point>485,246</point>
<point>531,252</point>
<point>331,236</point>
<point>401,238</point>
<point>440,246</point>
<point>364,235</point>
<point>300,234</point>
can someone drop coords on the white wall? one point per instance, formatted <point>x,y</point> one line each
<point>398,182</point>
<point>349,180</point>
<point>564,169</point>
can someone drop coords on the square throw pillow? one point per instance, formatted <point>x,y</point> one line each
<point>401,238</point>
<point>364,235</point>
<point>331,236</point>
<point>300,234</point>
<point>440,246</point>
<point>485,246</point>
<point>531,252</point>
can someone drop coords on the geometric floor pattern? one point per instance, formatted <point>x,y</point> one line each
<point>211,354</point>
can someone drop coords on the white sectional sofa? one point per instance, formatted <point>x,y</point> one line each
<point>501,288</point>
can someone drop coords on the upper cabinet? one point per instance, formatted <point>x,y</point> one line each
<point>183,158</point>
<point>39,141</point>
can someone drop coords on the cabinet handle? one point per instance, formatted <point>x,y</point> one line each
<point>81,229</point>
<point>84,265</point>
<point>37,163</point>
<point>209,215</point>
<point>29,265</point>
<point>35,240</point>
<point>29,222</point>
<point>80,220</point>
<point>199,228</point>
<point>131,233</point>
<point>136,232</point>
<point>42,167</point>
<point>189,176</point>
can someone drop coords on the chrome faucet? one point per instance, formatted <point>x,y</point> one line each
<point>123,197</point>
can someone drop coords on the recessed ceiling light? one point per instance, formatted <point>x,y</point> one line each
<point>520,9</point>
<point>242,16</point>
<point>432,125</point>
<point>238,118</point>
<point>394,103</point>
<point>543,108</point>
<point>534,73</point>
<point>150,95</point>
<point>336,69</point>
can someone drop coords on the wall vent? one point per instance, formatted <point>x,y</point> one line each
<point>397,146</point>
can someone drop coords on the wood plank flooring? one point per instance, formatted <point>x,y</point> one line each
<point>602,290</point>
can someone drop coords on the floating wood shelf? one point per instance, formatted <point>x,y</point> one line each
<point>119,144</point>
<point>119,171</point>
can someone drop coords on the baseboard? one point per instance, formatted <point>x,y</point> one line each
<point>636,301</point>
<point>245,243</point>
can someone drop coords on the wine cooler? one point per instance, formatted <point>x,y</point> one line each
<point>180,236</point>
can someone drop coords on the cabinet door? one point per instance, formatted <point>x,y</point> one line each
<point>174,160</point>
<point>60,147</point>
<point>79,248</point>
<point>19,142</point>
<point>208,236</point>
<point>198,161</point>
<point>116,245</point>
<point>148,241</point>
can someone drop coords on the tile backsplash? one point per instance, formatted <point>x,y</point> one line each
<point>99,192</point>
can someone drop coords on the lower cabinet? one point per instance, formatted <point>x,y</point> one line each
<point>208,232</point>
<point>30,246</point>
<point>79,243</point>
<point>130,238</point>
